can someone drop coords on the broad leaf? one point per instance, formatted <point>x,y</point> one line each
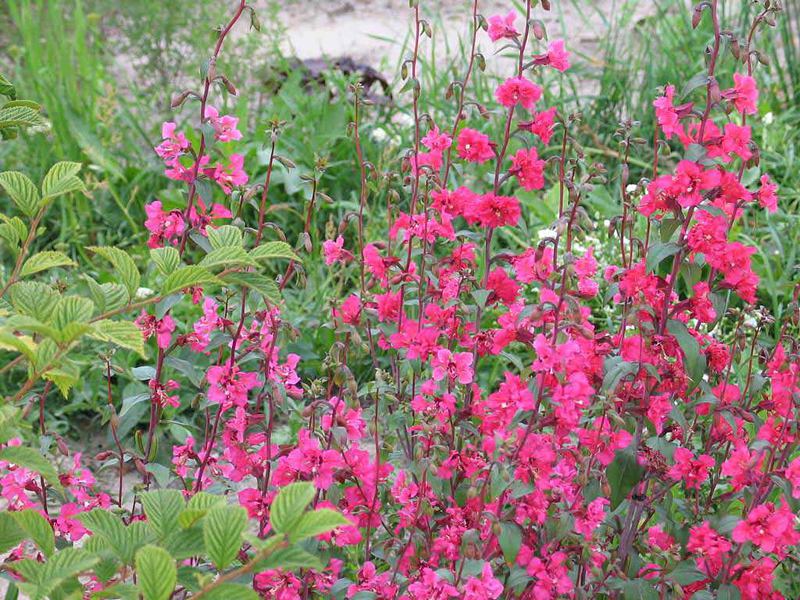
<point>222,531</point>
<point>45,260</point>
<point>21,190</point>
<point>61,179</point>
<point>289,504</point>
<point>156,573</point>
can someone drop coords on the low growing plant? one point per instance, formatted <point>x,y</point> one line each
<point>578,412</point>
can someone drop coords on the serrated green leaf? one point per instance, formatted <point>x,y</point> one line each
<point>162,508</point>
<point>185,277</point>
<point>21,190</point>
<point>222,532</point>
<point>317,522</point>
<point>61,179</point>
<point>224,235</point>
<point>227,256</point>
<point>156,573</point>
<point>167,259</point>
<point>19,116</point>
<point>124,334</point>
<point>45,260</point>
<point>123,591</point>
<point>186,543</point>
<point>124,266</point>
<point>10,533</point>
<point>274,250</point>
<point>72,309</point>
<point>290,559</point>
<point>34,299</point>
<point>33,461</point>
<point>36,528</point>
<point>289,504</point>
<point>258,283</point>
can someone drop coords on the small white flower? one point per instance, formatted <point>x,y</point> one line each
<point>631,187</point>
<point>547,234</point>
<point>379,135</point>
<point>750,323</point>
<point>143,292</point>
<point>769,118</point>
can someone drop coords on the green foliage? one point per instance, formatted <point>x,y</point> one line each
<point>205,528</point>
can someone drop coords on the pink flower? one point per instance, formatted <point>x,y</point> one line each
<point>692,471</point>
<point>229,176</point>
<point>161,328</point>
<point>503,26</point>
<point>771,529</point>
<point>334,251</point>
<point>744,94</point>
<point>349,311</point>
<point>666,114</point>
<point>518,90</point>
<point>205,326</point>
<point>456,366</point>
<point>164,227</point>
<point>309,460</point>
<point>497,211</point>
<point>437,141</point>
<point>224,127</point>
<point>474,146</point>
<point>229,386</point>
<point>767,195</point>
<point>736,140</point>
<point>658,538</point>
<point>541,125</point>
<point>528,168</point>
<point>792,474</point>
<point>558,56</point>
<point>709,548</point>
<point>173,146</point>
<point>486,587</point>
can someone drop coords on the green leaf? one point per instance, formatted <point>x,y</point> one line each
<point>658,252</point>
<point>222,531</point>
<point>186,277</point>
<point>227,256</point>
<point>694,359</point>
<point>639,589</point>
<point>291,558</point>
<point>185,543</point>
<point>156,573</point>
<point>19,116</point>
<point>289,504</point>
<point>31,459</point>
<point>10,532</point>
<point>271,250</point>
<point>162,508</point>
<point>224,235</point>
<point>510,541</point>
<point>21,190</point>
<point>45,260</point>
<point>258,283</point>
<point>316,523</point>
<point>124,334</point>
<point>728,591</point>
<point>61,179</point>
<point>123,591</point>
<point>686,572</point>
<point>623,474</point>
<point>34,299</point>
<point>231,591</point>
<point>167,259</point>
<point>72,309</point>
<point>123,265</point>
<point>36,528</point>
<point>65,376</point>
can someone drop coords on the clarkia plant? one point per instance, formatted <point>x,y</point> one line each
<point>496,416</point>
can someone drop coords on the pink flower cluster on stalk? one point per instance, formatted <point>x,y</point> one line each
<point>507,438</point>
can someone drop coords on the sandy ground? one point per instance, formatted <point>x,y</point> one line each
<point>373,31</point>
